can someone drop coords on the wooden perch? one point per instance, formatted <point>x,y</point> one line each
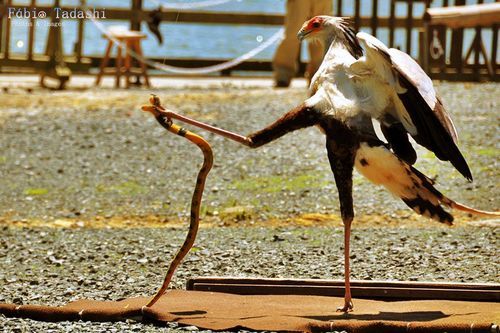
<point>483,15</point>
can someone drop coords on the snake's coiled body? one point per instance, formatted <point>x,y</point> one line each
<point>196,199</point>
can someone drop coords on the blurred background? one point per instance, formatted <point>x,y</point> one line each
<point>202,33</point>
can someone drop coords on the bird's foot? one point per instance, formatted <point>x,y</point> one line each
<point>348,306</point>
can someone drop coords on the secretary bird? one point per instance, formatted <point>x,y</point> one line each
<point>349,90</point>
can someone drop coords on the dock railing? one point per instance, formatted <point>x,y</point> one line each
<point>374,23</point>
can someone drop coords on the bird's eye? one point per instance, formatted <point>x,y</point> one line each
<point>316,24</point>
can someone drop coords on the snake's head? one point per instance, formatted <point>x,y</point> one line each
<point>154,106</point>
<point>154,100</point>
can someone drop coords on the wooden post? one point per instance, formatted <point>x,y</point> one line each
<point>2,18</point>
<point>409,26</point>
<point>135,19</point>
<point>56,67</point>
<point>494,49</point>
<point>119,63</point>
<point>374,19</point>
<point>357,14</point>
<point>143,66</point>
<point>339,8</point>
<point>477,50</point>
<point>457,44</point>
<point>421,47</point>
<point>79,38</point>
<point>104,62</point>
<point>128,62</point>
<point>31,35</point>
<point>7,34</point>
<point>392,25</point>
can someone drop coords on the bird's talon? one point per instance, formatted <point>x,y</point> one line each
<point>348,306</point>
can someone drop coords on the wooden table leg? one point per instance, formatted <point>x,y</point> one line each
<point>118,65</point>
<point>128,63</point>
<point>138,50</point>
<point>104,62</point>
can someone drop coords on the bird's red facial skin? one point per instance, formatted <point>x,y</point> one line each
<point>314,24</point>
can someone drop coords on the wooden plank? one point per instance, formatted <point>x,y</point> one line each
<point>21,64</point>
<point>360,289</point>
<point>201,17</point>
<point>471,16</point>
<point>465,75</point>
<point>327,282</point>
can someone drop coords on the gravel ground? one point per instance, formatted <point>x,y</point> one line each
<point>78,155</point>
<point>54,266</point>
<point>80,159</point>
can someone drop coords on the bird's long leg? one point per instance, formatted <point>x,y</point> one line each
<point>347,267</point>
<point>227,134</point>
<point>299,117</point>
<point>158,110</point>
<point>341,157</point>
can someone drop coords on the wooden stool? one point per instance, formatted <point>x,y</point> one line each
<point>130,40</point>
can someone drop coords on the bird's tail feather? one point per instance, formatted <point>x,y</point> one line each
<point>382,167</point>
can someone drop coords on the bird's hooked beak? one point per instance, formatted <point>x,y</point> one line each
<point>303,32</point>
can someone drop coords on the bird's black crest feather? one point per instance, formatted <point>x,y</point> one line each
<point>347,27</point>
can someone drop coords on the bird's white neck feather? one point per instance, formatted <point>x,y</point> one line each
<point>338,53</point>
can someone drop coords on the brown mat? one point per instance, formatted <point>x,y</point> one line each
<point>220,311</point>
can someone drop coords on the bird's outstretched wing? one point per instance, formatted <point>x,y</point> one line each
<point>422,115</point>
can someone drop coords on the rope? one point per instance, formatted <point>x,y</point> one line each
<point>436,49</point>
<point>155,108</point>
<point>193,5</point>
<point>202,70</point>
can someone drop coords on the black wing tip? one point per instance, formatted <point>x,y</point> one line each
<point>426,208</point>
<point>464,170</point>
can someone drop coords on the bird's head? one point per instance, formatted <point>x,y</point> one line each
<point>328,29</point>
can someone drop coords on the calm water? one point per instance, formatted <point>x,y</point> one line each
<point>200,40</point>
